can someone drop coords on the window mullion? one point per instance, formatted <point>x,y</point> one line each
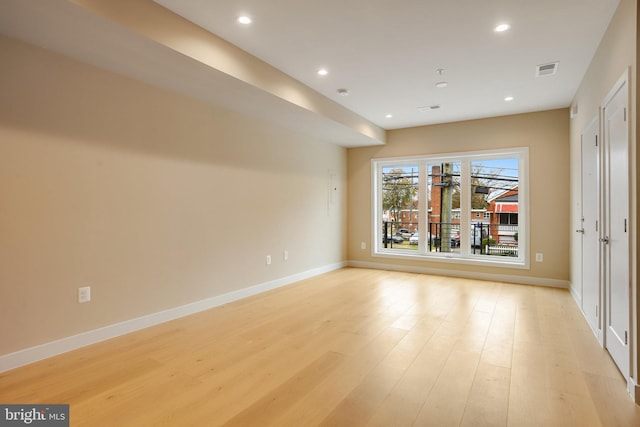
<point>423,207</point>
<point>465,206</point>
<point>377,203</point>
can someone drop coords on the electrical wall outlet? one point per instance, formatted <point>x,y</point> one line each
<point>363,245</point>
<point>84,294</point>
<point>539,257</point>
<point>268,259</point>
<point>285,255</point>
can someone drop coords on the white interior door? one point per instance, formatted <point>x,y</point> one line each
<point>616,232</point>
<point>590,234</point>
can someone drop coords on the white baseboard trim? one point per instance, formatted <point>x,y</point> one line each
<point>577,298</point>
<point>507,278</point>
<point>597,333</point>
<point>53,348</point>
<point>633,389</point>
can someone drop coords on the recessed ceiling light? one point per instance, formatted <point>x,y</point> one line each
<point>502,28</point>
<point>388,116</point>
<point>323,72</point>
<point>245,20</point>
<point>442,84</point>
<point>508,98</point>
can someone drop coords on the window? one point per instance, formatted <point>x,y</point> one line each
<point>399,204</point>
<point>464,207</point>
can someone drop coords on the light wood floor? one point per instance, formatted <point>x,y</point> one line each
<point>354,347</point>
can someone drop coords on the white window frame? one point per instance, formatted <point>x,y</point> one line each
<point>464,256</point>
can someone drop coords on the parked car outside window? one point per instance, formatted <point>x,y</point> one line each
<point>406,234</point>
<point>414,239</point>
<point>393,238</point>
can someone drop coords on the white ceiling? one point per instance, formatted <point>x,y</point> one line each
<point>386,52</point>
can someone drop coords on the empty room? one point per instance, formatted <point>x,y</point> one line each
<point>338,213</point>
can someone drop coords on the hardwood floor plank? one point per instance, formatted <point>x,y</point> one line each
<point>488,403</point>
<point>360,404</point>
<point>266,410</point>
<point>328,395</point>
<point>448,398</point>
<point>402,405</point>
<point>611,401</point>
<point>498,346</point>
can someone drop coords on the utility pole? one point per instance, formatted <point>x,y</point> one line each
<point>409,226</point>
<point>445,207</point>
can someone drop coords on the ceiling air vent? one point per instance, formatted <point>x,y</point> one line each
<point>429,108</point>
<point>546,69</point>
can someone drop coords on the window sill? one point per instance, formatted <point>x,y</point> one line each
<point>486,260</point>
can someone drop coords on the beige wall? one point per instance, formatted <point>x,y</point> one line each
<point>546,134</point>
<point>153,199</point>
<point>615,55</point>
